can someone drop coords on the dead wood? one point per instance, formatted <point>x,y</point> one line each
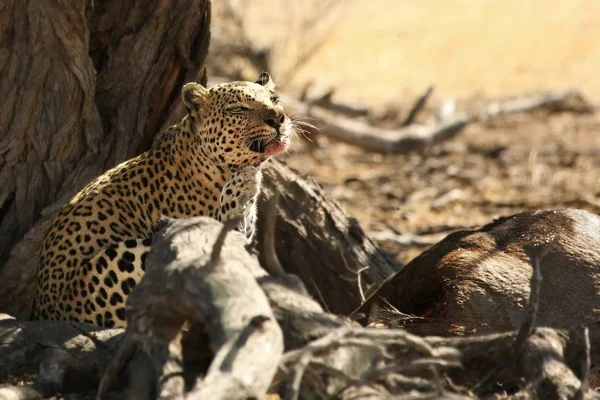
<point>478,280</point>
<point>63,357</point>
<point>403,363</point>
<point>586,364</point>
<point>344,359</point>
<point>325,100</point>
<point>418,107</point>
<point>320,243</point>
<point>413,138</point>
<point>84,86</point>
<point>570,100</point>
<point>542,362</point>
<point>214,286</point>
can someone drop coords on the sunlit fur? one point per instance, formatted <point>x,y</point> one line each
<point>232,147</point>
<point>95,250</point>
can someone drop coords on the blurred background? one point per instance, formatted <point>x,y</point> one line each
<point>379,56</point>
<point>377,50</point>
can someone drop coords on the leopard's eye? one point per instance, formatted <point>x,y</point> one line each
<point>274,99</point>
<point>237,110</point>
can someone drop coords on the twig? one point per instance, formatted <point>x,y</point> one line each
<point>304,356</point>
<point>377,339</point>
<point>218,245</point>
<point>585,366</point>
<point>358,281</point>
<point>358,275</point>
<point>418,106</point>
<point>412,367</point>
<point>535,254</point>
<point>271,260</point>
<point>323,302</point>
<point>557,100</point>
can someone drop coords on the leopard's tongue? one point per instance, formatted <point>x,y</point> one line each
<point>274,146</point>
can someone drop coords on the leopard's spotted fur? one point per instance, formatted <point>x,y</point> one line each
<point>208,164</point>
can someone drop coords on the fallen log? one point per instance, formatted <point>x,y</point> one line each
<point>412,138</point>
<point>188,278</point>
<point>570,100</point>
<point>317,241</point>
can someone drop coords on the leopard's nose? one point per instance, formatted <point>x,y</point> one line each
<point>275,122</point>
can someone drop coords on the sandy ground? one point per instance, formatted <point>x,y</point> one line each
<point>381,48</point>
<point>378,50</point>
<point>516,163</point>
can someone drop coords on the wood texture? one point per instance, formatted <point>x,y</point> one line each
<point>317,241</point>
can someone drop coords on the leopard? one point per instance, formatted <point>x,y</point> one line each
<point>209,164</point>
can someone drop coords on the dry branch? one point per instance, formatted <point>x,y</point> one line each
<point>325,100</point>
<point>571,100</point>
<point>272,264</point>
<point>542,362</point>
<point>319,242</point>
<point>188,278</point>
<point>417,107</point>
<point>586,365</point>
<point>414,138</point>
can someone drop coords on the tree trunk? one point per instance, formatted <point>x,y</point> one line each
<point>85,86</point>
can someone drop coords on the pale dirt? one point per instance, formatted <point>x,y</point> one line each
<point>381,48</point>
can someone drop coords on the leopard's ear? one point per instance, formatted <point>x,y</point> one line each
<point>195,97</point>
<point>265,80</point>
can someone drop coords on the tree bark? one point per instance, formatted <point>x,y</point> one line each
<point>198,273</point>
<point>317,241</point>
<point>85,86</point>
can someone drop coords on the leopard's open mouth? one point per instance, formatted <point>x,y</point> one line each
<point>258,145</point>
<point>270,146</point>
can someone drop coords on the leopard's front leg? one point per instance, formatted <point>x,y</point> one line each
<point>238,199</point>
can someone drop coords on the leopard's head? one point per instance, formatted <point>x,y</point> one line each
<point>238,124</point>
